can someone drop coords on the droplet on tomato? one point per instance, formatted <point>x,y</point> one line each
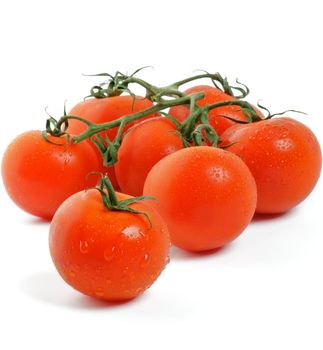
<point>109,253</point>
<point>139,290</point>
<point>84,247</point>
<point>145,260</point>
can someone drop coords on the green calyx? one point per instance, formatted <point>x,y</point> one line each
<point>111,202</point>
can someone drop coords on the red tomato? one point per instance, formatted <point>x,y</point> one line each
<point>39,175</point>
<point>284,157</point>
<point>206,195</point>
<point>110,255</point>
<point>212,95</point>
<point>104,110</point>
<point>141,148</point>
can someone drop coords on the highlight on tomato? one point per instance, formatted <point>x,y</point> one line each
<point>142,147</point>
<point>218,117</point>
<point>108,245</point>
<point>206,195</point>
<point>40,174</point>
<point>284,157</point>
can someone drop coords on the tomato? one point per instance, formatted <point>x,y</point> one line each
<point>213,95</point>
<point>39,175</point>
<point>110,255</point>
<point>284,157</point>
<point>206,195</point>
<point>141,148</point>
<point>104,110</point>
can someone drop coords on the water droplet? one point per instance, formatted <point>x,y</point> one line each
<point>72,274</point>
<point>145,260</point>
<point>66,160</point>
<point>139,290</point>
<point>84,247</point>
<point>109,253</point>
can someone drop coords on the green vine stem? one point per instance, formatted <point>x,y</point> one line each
<point>188,130</point>
<point>93,129</point>
<point>191,121</point>
<point>109,148</point>
<point>119,83</point>
<point>211,135</point>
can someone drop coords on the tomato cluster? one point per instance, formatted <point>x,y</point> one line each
<point>190,169</point>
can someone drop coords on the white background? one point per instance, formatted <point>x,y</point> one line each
<point>264,291</point>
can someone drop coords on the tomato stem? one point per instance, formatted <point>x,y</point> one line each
<point>109,149</point>
<point>164,97</point>
<point>119,83</point>
<point>111,202</point>
<point>96,128</point>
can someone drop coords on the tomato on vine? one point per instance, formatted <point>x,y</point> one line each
<point>206,195</point>
<point>284,157</point>
<point>108,245</point>
<point>102,110</point>
<point>40,174</point>
<point>141,148</point>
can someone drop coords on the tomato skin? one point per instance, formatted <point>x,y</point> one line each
<point>213,95</point>
<point>141,148</point>
<point>104,110</point>
<point>283,155</point>
<point>109,255</point>
<point>206,195</point>
<point>39,176</point>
